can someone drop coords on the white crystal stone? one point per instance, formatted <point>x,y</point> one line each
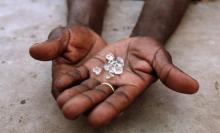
<point>113,66</point>
<point>110,67</point>
<point>112,70</point>
<point>118,70</point>
<point>106,67</point>
<point>97,70</point>
<point>118,65</point>
<point>109,57</point>
<point>120,60</point>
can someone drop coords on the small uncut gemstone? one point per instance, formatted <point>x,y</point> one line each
<point>109,57</point>
<point>118,70</point>
<point>120,61</point>
<point>97,70</point>
<point>113,66</point>
<point>106,67</point>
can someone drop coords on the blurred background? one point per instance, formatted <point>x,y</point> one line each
<point>26,105</point>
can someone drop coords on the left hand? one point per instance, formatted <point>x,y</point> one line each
<point>145,61</point>
<point>67,47</point>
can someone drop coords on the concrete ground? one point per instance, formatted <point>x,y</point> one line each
<point>26,105</point>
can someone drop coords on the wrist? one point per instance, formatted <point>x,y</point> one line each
<point>74,22</point>
<point>145,40</point>
<point>87,13</point>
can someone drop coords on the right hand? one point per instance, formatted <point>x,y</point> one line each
<point>145,61</point>
<point>68,48</point>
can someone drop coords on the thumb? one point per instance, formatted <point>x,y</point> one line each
<point>52,48</point>
<point>171,76</point>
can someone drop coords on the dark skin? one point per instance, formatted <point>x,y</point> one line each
<point>76,49</point>
<point>160,18</point>
<point>84,22</point>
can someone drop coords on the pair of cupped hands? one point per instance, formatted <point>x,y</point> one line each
<point>76,50</point>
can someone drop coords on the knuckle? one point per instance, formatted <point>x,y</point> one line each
<point>57,85</point>
<point>62,99</point>
<point>161,60</point>
<point>165,72</point>
<point>88,97</point>
<point>111,107</point>
<point>73,73</point>
<point>67,92</point>
<point>123,95</point>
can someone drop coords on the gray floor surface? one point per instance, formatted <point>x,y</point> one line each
<point>26,105</point>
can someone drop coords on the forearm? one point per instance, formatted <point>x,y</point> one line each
<point>89,13</point>
<point>160,18</point>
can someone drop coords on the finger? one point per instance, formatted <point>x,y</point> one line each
<point>52,48</point>
<point>114,105</point>
<point>172,76</point>
<point>85,101</point>
<point>65,75</point>
<point>69,93</point>
<point>55,93</point>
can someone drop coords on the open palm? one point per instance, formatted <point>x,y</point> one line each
<point>145,61</point>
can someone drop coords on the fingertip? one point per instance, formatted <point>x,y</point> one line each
<point>187,84</point>
<point>97,120</point>
<point>73,108</point>
<point>76,106</point>
<point>64,97</point>
<point>33,51</point>
<point>100,116</point>
<point>61,101</point>
<point>42,52</point>
<point>194,86</point>
<point>69,112</point>
<point>182,82</point>
<point>47,50</point>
